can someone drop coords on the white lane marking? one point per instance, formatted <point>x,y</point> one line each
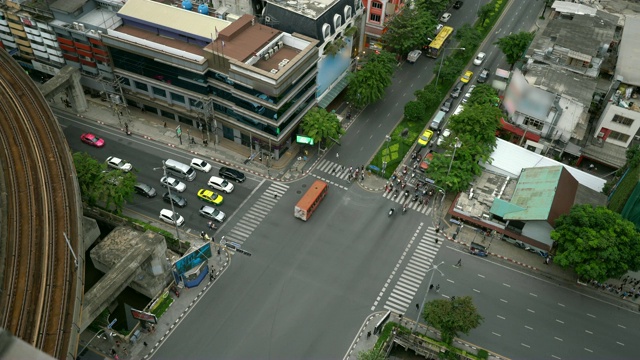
<point>560,321</point>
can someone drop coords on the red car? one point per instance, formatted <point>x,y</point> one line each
<point>424,165</point>
<point>91,139</point>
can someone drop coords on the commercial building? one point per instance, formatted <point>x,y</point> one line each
<point>242,81</point>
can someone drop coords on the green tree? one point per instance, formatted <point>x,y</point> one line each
<point>371,354</point>
<point>484,94</point>
<point>98,185</point>
<point>455,171</point>
<point>89,175</point>
<point>434,7</point>
<point>484,12</point>
<point>468,37</point>
<point>408,30</point>
<point>414,111</point>
<point>370,83</point>
<point>452,317</point>
<point>596,242</point>
<point>480,122</point>
<point>321,125</point>
<point>513,46</point>
<point>430,96</point>
<point>450,68</point>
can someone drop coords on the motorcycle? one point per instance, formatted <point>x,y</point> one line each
<point>174,289</point>
<point>391,211</point>
<point>395,193</point>
<point>404,209</point>
<point>406,193</point>
<point>415,198</point>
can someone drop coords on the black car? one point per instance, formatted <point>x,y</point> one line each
<point>144,190</point>
<point>231,174</point>
<point>457,4</point>
<point>177,200</point>
<point>446,106</point>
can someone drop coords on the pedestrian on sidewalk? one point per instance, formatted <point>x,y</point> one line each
<point>144,343</point>
<point>210,224</point>
<point>438,288</point>
<point>417,306</point>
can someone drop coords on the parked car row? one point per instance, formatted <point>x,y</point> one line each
<point>188,173</point>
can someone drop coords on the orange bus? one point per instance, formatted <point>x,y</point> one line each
<point>310,201</point>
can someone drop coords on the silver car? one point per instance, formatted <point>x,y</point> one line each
<point>212,213</point>
<point>174,184</point>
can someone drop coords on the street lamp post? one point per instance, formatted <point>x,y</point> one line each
<point>94,336</point>
<point>426,293</point>
<point>442,62</point>
<point>455,147</point>
<point>175,220</point>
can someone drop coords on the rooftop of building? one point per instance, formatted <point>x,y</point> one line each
<point>629,52</point>
<point>67,6</point>
<point>582,33</point>
<point>312,9</point>
<point>561,81</point>
<point>509,159</point>
<point>162,40</point>
<point>626,96</point>
<point>186,22</point>
<point>533,196</point>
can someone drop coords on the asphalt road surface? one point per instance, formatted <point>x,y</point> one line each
<point>308,285</point>
<point>146,158</point>
<point>529,317</point>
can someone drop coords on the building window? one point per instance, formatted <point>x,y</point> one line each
<point>622,120</point>
<point>376,5</point>
<point>347,12</point>
<point>326,31</point>
<point>177,98</point>
<point>337,21</point>
<point>159,92</point>
<point>618,136</point>
<point>533,123</point>
<point>374,18</point>
<point>141,86</point>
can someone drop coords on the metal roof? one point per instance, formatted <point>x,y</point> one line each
<point>171,17</point>
<point>535,192</point>
<point>629,52</point>
<point>510,159</point>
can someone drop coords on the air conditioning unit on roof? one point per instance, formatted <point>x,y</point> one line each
<point>266,56</point>
<point>271,52</point>
<point>274,71</point>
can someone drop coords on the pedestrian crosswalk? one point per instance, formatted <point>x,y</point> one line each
<point>413,274</point>
<point>243,229</point>
<point>334,169</point>
<point>414,205</point>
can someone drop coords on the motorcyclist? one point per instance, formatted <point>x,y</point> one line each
<point>391,211</point>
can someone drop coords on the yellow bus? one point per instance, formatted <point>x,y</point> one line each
<point>436,46</point>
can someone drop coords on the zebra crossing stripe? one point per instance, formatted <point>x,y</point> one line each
<point>395,309</point>
<point>394,300</point>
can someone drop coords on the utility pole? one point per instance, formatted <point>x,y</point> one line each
<point>426,293</point>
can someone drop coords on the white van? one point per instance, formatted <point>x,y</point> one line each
<point>180,170</point>
<point>437,120</point>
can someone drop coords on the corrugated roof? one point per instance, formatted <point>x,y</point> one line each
<point>509,159</point>
<point>535,192</point>
<point>171,17</point>
<point>501,207</point>
<point>629,52</point>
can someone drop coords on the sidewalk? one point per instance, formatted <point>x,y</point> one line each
<point>223,151</point>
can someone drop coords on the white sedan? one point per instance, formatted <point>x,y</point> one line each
<point>200,165</point>
<point>445,134</point>
<point>479,58</point>
<point>170,217</point>
<point>174,184</point>
<point>119,164</point>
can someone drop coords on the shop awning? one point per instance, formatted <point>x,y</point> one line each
<point>517,131</point>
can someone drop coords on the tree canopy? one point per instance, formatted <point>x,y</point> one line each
<point>430,96</point>
<point>468,36</point>
<point>513,46</point>
<point>372,354</point>
<point>369,84</point>
<point>484,94</point>
<point>434,7</point>
<point>408,30</point>
<point>98,185</point>
<point>596,242</point>
<point>321,125</point>
<point>452,317</point>
<point>414,111</point>
<point>475,128</point>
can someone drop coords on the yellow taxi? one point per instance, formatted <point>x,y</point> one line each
<point>423,140</point>
<point>467,76</point>
<point>210,196</point>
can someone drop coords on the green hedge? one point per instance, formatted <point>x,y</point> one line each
<point>624,190</point>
